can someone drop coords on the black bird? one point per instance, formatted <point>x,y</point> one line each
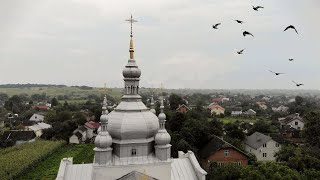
<point>291,59</point>
<point>241,51</point>
<point>247,33</point>
<point>238,21</point>
<point>216,26</point>
<point>256,8</point>
<point>276,73</point>
<point>298,84</point>
<point>291,27</point>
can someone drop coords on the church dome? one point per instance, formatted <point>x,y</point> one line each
<point>131,72</point>
<point>162,137</point>
<point>103,140</point>
<point>132,120</point>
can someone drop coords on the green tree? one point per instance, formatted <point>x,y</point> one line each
<point>311,131</point>
<point>54,102</point>
<point>261,126</point>
<point>175,101</point>
<point>234,131</point>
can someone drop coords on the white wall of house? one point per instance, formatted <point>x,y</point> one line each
<point>89,133</point>
<point>74,140</point>
<point>270,149</point>
<point>297,124</point>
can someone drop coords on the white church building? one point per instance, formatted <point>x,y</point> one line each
<point>133,142</point>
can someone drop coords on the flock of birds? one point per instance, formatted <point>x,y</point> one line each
<point>246,33</point>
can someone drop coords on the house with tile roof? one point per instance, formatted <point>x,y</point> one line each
<point>221,152</point>
<point>183,108</point>
<point>262,146</point>
<point>216,109</point>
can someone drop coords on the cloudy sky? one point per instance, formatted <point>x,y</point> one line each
<point>85,42</point>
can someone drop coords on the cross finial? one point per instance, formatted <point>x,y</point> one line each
<point>131,20</point>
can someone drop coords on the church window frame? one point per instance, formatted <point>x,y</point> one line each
<point>133,152</point>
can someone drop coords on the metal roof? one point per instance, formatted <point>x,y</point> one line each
<point>257,139</point>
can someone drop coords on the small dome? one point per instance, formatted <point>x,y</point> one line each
<point>103,140</point>
<point>104,118</point>
<point>162,116</point>
<point>153,111</point>
<point>162,137</point>
<point>131,72</point>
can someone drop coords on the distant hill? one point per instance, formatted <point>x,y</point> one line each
<point>29,85</point>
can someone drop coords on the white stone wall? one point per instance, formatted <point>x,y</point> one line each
<point>270,149</point>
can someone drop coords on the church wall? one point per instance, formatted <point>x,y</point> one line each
<point>125,150</point>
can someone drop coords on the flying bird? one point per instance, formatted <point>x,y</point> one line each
<point>291,27</point>
<point>215,26</point>
<point>297,84</point>
<point>247,33</point>
<point>291,59</point>
<point>256,8</point>
<point>238,21</point>
<point>241,51</point>
<point>276,73</point>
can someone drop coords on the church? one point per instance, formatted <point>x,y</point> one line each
<point>133,143</point>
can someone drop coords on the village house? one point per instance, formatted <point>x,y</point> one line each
<point>41,107</point>
<point>293,120</point>
<point>262,105</point>
<point>262,146</point>
<point>216,109</point>
<point>86,132</point>
<point>182,108</point>
<point>250,113</point>
<point>18,137</point>
<point>237,113</point>
<point>280,109</point>
<point>37,118</point>
<point>38,128</point>
<point>221,152</point>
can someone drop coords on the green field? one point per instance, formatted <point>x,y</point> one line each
<point>48,168</point>
<point>77,95</point>
<point>16,160</point>
<point>226,120</point>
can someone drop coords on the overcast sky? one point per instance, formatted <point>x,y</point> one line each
<point>85,42</point>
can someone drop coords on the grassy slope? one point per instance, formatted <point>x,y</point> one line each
<point>48,168</point>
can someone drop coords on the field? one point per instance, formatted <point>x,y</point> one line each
<point>76,94</point>
<point>16,160</point>
<point>226,120</point>
<point>48,168</point>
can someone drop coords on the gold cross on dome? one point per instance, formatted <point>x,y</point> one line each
<point>131,20</point>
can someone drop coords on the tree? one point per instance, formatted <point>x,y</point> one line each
<point>175,101</point>
<point>54,102</point>
<point>175,123</point>
<point>4,97</point>
<point>233,131</point>
<point>311,128</point>
<point>261,126</point>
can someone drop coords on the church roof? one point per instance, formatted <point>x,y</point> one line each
<point>135,175</point>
